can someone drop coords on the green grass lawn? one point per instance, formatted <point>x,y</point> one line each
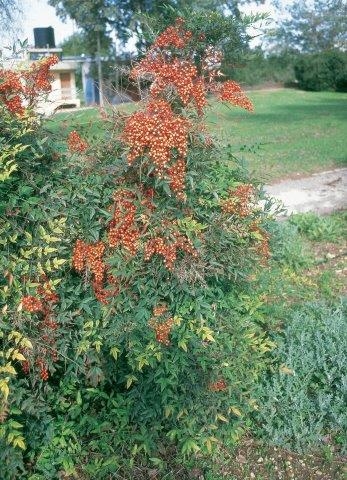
<point>290,131</point>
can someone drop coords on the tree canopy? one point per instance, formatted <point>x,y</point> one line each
<point>125,17</point>
<point>9,11</point>
<point>312,26</point>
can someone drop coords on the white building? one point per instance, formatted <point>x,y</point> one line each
<point>64,92</point>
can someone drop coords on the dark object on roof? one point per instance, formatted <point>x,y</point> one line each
<point>44,37</point>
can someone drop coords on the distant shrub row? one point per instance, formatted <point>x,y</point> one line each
<point>315,72</point>
<point>322,71</point>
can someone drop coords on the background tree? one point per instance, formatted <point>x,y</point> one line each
<point>8,10</point>
<point>125,17</point>
<point>9,20</point>
<point>311,27</point>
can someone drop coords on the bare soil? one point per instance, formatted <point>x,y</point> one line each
<point>322,193</point>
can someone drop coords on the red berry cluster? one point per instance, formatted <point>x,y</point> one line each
<point>91,257</point>
<point>178,73</point>
<point>47,325</point>
<point>104,291</point>
<point>174,36</point>
<point>32,304</point>
<point>11,89</point>
<point>122,228</point>
<point>218,386</point>
<point>159,246</point>
<point>162,329</point>
<point>122,231</point>
<point>41,364</point>
<point>37,78</point>
<point>26,366</point>
<point>46,292</point>
<point>75,143</point>
<point>177,175</point>
<point>24,88</point>
<point>159,310</point>
<point>158,133</point>
<point>231,92</point>
<point>167,70</point>
<point>240,201</point>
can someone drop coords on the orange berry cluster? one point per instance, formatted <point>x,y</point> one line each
<point>37,78</point>
<point>239,201</point>
<point>178,73</point>
<point>174,36</point>
<point>158,246</point>
<point>162,329</point>
<point>218,386</point>
<point>44,306</point>
<point>177,175</point>
<point>168,71</point>
<point>158,132</point>
<point>75,143</point>
<point>122,229</point>
<point>43,369</point>
<point>32,304</point>
<point>11,89</point>
<point>231,92</point>
<point>159,310</point>
<point>19,88</point>
<point>91,256</point>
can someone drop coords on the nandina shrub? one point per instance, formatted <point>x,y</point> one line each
<point>20,92</point>
<point>120,336</point>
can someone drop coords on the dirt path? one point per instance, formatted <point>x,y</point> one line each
<point>322,192</point>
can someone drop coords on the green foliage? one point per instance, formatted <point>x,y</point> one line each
<point>87,387</point>
<point>212,26</point>
<point>126,17</point>
<point>288,248</point>
<point>113,381</point>
<point>303,399</point>
<point>322,71</point>
<point>20,143</point>
<point>256,68</point>
<point>318,228</point>
<point>311,26</point>
<point>12,143</point>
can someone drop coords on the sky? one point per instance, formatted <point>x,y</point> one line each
<point>37,13</point>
